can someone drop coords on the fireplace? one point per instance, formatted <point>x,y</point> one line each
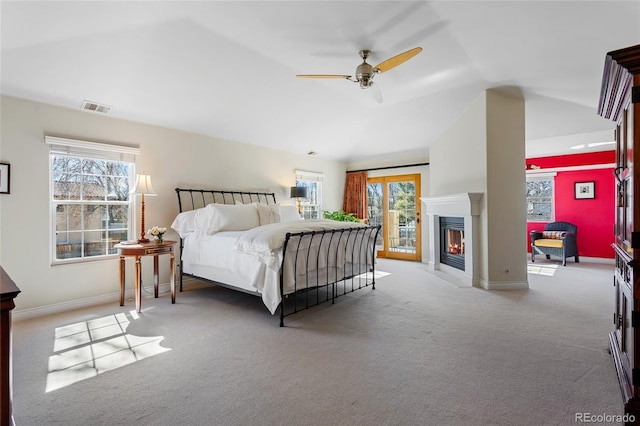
<point>452,242</point>
<point>454,237</point>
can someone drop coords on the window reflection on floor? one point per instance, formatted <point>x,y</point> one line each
<point>86,349</point>
<point>548,270</point>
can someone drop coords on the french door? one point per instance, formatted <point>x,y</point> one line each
<point>394,203</point>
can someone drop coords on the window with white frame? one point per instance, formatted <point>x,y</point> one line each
<point>540,194</point>
<point>311,207</point>
<point>91,209</point>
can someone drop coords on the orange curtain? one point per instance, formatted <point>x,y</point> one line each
<point>355,194</point>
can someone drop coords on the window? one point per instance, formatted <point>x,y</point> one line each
<point>311,208</point>
<point>540,198</point>
<point>90,204</point>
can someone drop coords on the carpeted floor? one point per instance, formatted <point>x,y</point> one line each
<point>415,351</point>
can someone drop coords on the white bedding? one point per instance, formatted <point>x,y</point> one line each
<point>254,256</point>
<point>213,257</point>
<point>266,241</point>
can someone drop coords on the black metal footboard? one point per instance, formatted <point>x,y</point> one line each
<point>319,266</point>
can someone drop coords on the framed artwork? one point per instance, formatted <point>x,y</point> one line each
<point>584,190</point>
<point>5,175</point>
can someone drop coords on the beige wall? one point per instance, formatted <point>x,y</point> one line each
<point>506,219</point>
<point>173,158</point>
<point>457,161</point>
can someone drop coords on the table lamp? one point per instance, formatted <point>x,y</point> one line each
<point>143,187</point>
<point>299,192</point>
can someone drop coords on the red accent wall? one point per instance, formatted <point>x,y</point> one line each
<point>587,158</point>
<point>594,217</point>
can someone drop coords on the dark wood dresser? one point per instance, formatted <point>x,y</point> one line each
<point>8,292</point>
<point>620,102</point>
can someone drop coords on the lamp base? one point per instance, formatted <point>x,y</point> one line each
<point>143,240</point>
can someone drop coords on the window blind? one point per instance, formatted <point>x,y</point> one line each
<point>310,176</point>
<point>96,150</point>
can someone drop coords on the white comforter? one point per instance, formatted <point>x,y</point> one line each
<point>266,241</point>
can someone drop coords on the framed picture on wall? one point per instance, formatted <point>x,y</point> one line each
<point>584,190</point>
<point>5,174</point>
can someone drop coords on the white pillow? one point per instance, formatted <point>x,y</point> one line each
<point>185,222</point>
<point>289,213</point>
<point>227,217</point>
<point>268,213</point>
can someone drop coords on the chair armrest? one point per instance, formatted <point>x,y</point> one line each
<point>535,235</point>
<point>570,241</point>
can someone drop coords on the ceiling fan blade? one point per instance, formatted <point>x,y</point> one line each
<point>397,60</point>
<point>322,76</point>
<point>375,92</point>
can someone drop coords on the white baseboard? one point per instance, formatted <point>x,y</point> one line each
<point>504,285</point>
<point>594,260</point>
<point>56,308</point>
<point>583,259</point>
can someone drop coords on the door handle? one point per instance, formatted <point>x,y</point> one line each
<point>617,320</point>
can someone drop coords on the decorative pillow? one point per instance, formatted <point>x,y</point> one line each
<point>227,217</point>
<point>289,213</point>
<point>268,213</point>
<point>553,235</point>
<point>185,223</point>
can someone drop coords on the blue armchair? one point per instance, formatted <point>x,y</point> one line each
<point>558,239</point>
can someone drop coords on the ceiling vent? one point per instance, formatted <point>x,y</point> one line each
<point>94,106</point>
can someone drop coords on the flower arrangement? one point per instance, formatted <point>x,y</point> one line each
<point>158,233</point>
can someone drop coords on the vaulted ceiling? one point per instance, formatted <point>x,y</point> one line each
<point>227,69</point>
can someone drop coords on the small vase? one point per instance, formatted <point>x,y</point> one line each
<point>159,239</point>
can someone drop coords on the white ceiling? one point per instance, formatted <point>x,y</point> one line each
<point>227,69</point>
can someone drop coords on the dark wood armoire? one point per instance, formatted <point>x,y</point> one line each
<point>620,102</point>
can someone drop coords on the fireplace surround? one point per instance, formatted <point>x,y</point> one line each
<point>460,214</point>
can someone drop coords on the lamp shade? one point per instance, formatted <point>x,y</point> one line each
<point>298,192</point>
<point>143,185</point>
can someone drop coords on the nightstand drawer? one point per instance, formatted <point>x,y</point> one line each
<point>158,250</point>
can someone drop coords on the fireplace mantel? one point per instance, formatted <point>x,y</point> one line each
<point>467,203</point>
<point>468,206</point>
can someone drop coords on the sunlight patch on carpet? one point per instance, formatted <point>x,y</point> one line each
<point>376,274</point>
<point>547,270</point>
<point>86,349</point>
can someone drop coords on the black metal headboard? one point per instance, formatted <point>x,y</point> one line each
<point>191,199</point>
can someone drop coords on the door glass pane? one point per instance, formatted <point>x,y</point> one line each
<point>375,207</point>
<point>402,217</point>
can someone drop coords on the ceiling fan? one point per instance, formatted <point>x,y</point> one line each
<point>365,71</point>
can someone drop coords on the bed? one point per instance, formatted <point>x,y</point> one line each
<point>248,242</point>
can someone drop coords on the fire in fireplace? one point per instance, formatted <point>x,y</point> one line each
<point>452,242</point>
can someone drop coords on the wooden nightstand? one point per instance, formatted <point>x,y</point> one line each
<point>154,249</point>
